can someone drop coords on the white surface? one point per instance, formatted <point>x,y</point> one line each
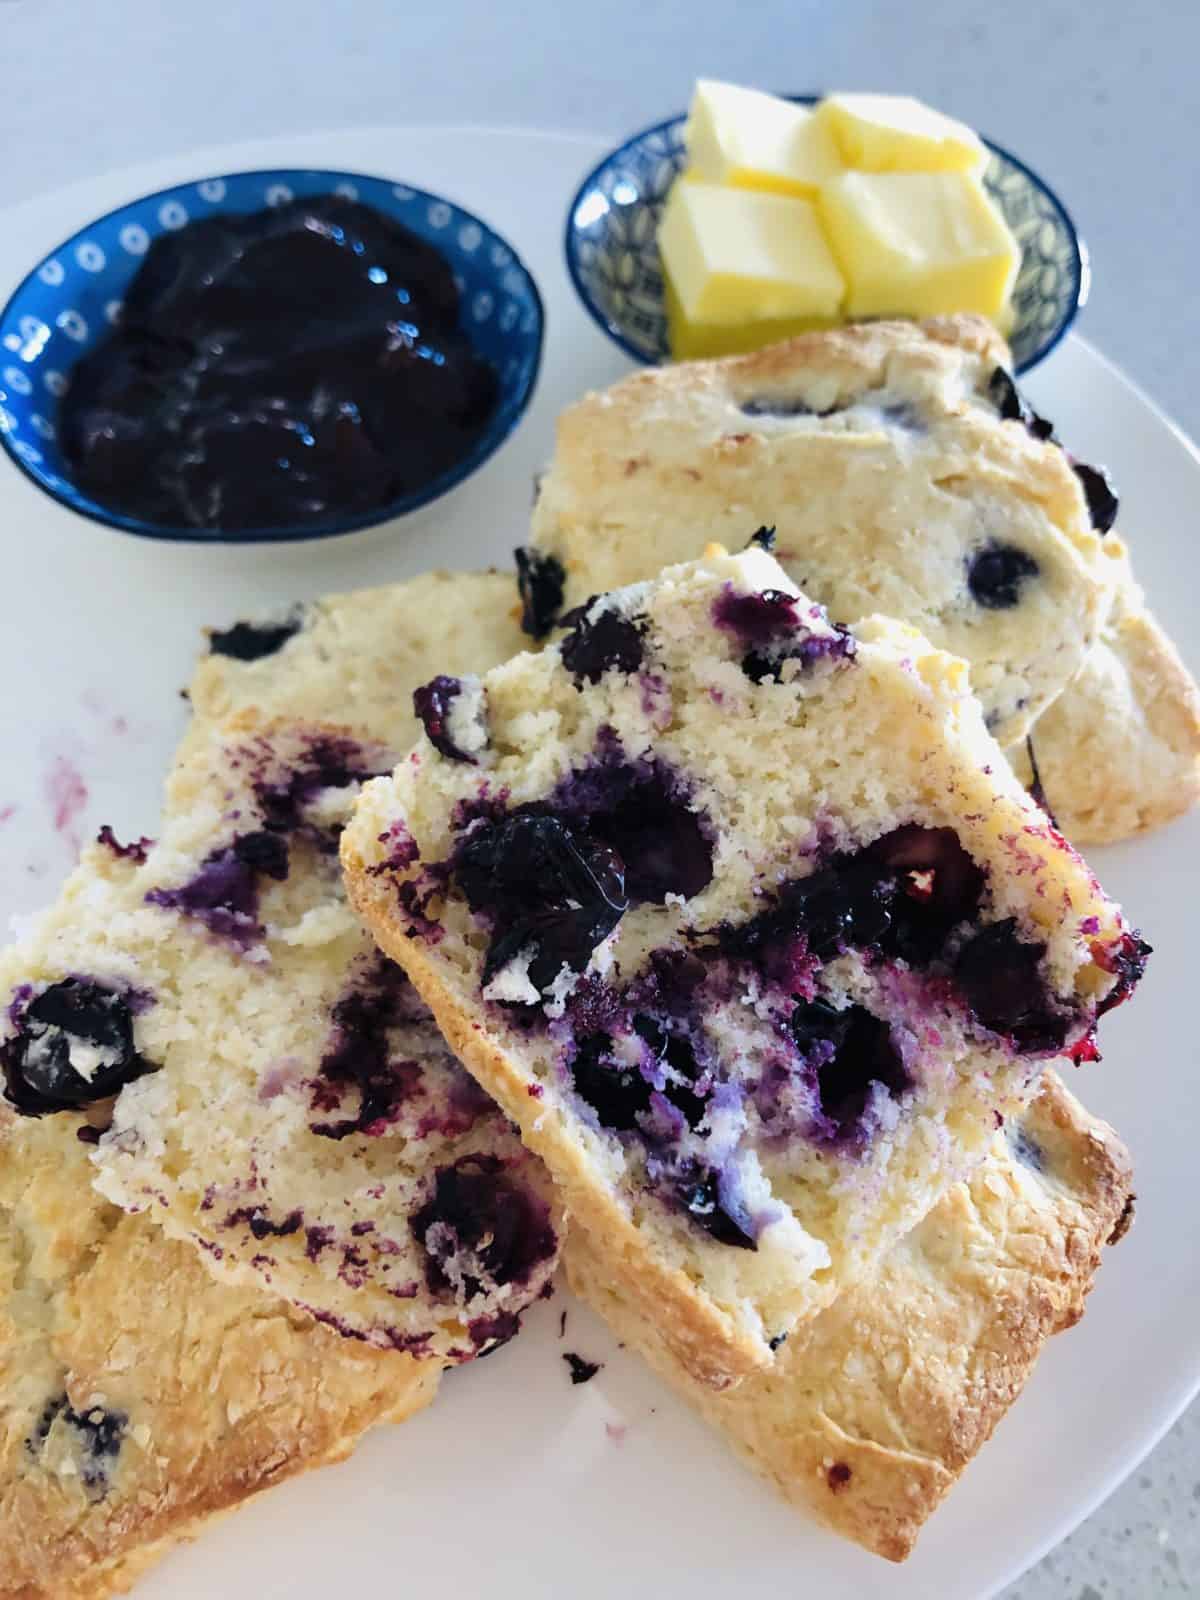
<point>514,1479</point>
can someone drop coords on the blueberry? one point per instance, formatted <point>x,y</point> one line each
<point>480,1230</point>
<point>616,1092</point>
<point>223,894</point>
<point>1102,500</point>
<point>136,850</point>
<point>782,405</point>
<point>252,641</point>
<point>699,1193</point>
<point>433,703</point>
<point>359,1053</point>
<point>938,885</point>
<point>329,762</point>
<point>661,842</point>
<point>1026,1149</point>
<point>97,1436</point>
<point>1127,962</point>
<point>548,888</point>
<point>75,1018</point>
<point>1001,980</point>
<point>582,1371</point>
<point>838,906</point>
<point>1013,406</point>
<point>756,619</point>
<point>851,1050</point>
<point>542,583</point>
<point>674,1051</point>
<point>995,575</point>
<point>608,642</point>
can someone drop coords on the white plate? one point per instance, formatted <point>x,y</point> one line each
<point>516,1484</point>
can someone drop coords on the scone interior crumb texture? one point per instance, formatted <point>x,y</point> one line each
<point>284,1102</point>
<point>743,918</point>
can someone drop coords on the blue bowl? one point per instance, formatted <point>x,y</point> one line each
<point>612,245</point>
<point>71,300</point>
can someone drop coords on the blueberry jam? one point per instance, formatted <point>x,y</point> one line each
<point>602,642</point>
<point>433,703</point>
<point>253,641</point>
<point>480,1230</point>
<point>772,629</point>
<point>223,895</point>
<point>359,1055</point>
<point>551,891</point>
<point>73,1046</point>
<point>996,573</point>
<point>274,369</point>
<point>1102,500</point>
<point>542,583</point>
<point>97,1436</point>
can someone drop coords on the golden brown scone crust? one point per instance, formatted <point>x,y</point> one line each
<point>224,1392</point>
<point>1118,752</point>
<point>873,1410</point>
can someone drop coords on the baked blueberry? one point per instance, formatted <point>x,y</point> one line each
<point>480,1230</point>
<point>851,1050</point>
<point>699,1192</point>
<point>600,642</point>
<point>434,703</point>
<point>253,641</point>
<point>541,581</point>
<point>995,575</point>
<point>617,1092</point>
<point>1102,500</point>
<point>549,888</point>
<point>74,1045</point>
<point>1001,979</point>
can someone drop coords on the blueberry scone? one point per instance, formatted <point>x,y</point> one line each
<point>873,1410</point>
<point>745,921</point>
<point>357,657</point>
<point>137,1395</point>
<point>880,454</point>
<point>283,1100</point>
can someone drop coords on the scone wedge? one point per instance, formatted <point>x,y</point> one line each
<point>875,1408</point>
<point>744,920</point>
<point>138,1396</point>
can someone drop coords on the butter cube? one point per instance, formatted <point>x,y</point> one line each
<point>738,262</point>
<point>919,244</point>
<point>753,140</point>
<point>894,133</point>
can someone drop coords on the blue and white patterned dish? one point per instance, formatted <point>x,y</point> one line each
<point>612,248</point>
<point>71,300</point>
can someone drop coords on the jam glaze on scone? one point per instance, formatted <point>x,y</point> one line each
<point>284,1101</point>
<point>744,920</point>
<point>139,1395</point>
<point>881,455</point>
<point>873,1409</point>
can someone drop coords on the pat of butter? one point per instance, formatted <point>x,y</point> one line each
<point>894,133</point>
<point>753,140</point>
<point>733,255</point>
<point>919,244</point>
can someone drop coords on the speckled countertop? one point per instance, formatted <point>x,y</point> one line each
<point>1101,96</point>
